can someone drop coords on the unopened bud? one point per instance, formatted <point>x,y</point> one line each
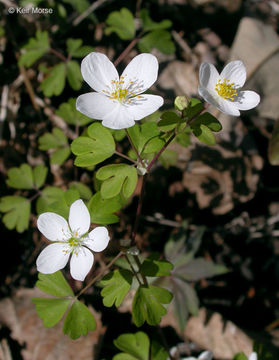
<point>181,102</point>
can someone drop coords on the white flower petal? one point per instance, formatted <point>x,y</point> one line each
<point>119,118</point>
<point>144,106</point>
<point>98,71</point>
<point>95,105</point>
<point>53,258</point>
<point>206,355</point>
<point>208,76</point>
<point>143,70</point>
<point>79,218</point>
<point>209,96</point>
<point>234,72</point>
<point>54,227</point>
<point>247,100</point>
<point>98,239</point>
<point>81,262</point>
<point>253,356</point>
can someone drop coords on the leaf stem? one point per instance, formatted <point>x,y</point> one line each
<point>134,148</point>
<point>58,54</point>
<point>124,156</point>
<point>132,268</point>
<point>100,274</point>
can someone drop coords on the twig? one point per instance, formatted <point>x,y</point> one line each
<point>88,11</point>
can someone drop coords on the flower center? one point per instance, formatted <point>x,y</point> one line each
<point>123,94</point>
<point>226,90</point>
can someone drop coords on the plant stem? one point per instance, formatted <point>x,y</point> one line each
<point>124,156</point>
<point>126,51</point>
<point>138,212</point>
<point>132,268</point>
<point>134,148</point>
<point>58,54</point>
<point>100,274</point>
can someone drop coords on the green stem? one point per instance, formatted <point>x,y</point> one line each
<point>132,268</point>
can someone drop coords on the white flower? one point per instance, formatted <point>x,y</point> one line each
<point>223,91</point>
<point>117,101</point>
<point>205,355</point>
<point>72,239</point>
<point>253,356</point>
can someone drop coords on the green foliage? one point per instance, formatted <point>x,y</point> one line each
<point>157,39</point>
<point>74,75</point>
<point>54,83</point>
<point>68,112</point>
<point>135,346</point>
<point>24,177</point>
<point>51,310</point>
<point>146,137</point>
<point>84,190</point>
<point>169,121</point>
<point>147,304</point>
<point>98,146</point>
<point>148,24</point>
<point>194,107</point>
<point>17,211</point>
<point>102,210</point>
<point>54,284</point>
<point>122,23</point>
<point>168,158</point>
<point>208,120</point>
<point>34,49</point>
<point>116,285</point>
<point>79,320</point>
<point>184,138</point>
<point>75,48</point>
<point>57,141</point>
<point>204,134</point>
<point>204,125</point>
<point>273,148</point>
<point>181,102</point>
<point>153,266</point>
<point>240,356</point>
<point>116,179</point>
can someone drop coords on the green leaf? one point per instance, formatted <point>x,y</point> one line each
<point>74,75</point>
<point>83,51</point>
<point>168,158</point>
<point>273,147</point>
<point>169,121</point>
<point>147,304</point>
<point>209,121</point>
<point>68,112</point>
<point>118,134</point>
<point>102,210</point>
<point>194,107</point>
<point>148,24</point>
<point>73,45</point>
<point>54,284</point>
<point>94,149</point>
<point>55,140</point>
<point>143,135</point>
<point>240,356</point>
<point>60,156</point>
<point>157,39</point>
<point>79,321</point>
<point>17,211</point>
<point>79,5</point>
<point>198,269</point>
<point>48,196</point>
<point>153,266</point>
<point>84,190</point>
<point>183,139</point>
<point>34,49</point>
<point>204,134</point>
<point>39,175</point>
<point>116,285</point>
<point>117,178</point>
<point>135,346</point>
<point>51,310</point>
<point>122,23</point>
<point>158,352</point>
<point>20,177</point>
<point>54,83</point>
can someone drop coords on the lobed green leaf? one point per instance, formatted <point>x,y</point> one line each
<point>135,346</point>
<point>122,23</point>
<point>54,83</point>
<point>54,284</point>
<point>34,49</point>
<point>74,76</point>
<point>17,211</point>
<point>148,24</point>
<point>102,210</point>
<point>51,310</point>
<point>68,112</point>
<point>157,39</point>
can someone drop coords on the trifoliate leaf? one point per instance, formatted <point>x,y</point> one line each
<point>116,179</point>
<point>56,140</point>
<point>94,148</point>
<point>198,269</point>
<point>122,23</point>
<point>102,210</point>
<point>74,75</point>
<point>79,320</point>
<point>143,135</point>
<point>54,83</point>
<point>135,346</point>
<point>39,175</point>
<point>34,49</point>
<point>84,190</point>
<point>51,310</point>
<point>208,120</point>
<point>148,24</point>
<point>204,134</point>
<point>147,304</point>
<point>169,121</point>
<point>116,285</point>
<point>153,266</point>
<point>17,211</point>
<point>54,284</point>
<point>68,112</point>
<point>20,177</point>
<point>157,39</point>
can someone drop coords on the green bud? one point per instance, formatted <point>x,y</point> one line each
<point>181,102</point>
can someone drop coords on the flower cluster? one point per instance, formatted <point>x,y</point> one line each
<point>71,239</point>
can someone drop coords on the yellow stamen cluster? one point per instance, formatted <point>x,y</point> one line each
<point>119,93</point>
<point>226,90</point>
